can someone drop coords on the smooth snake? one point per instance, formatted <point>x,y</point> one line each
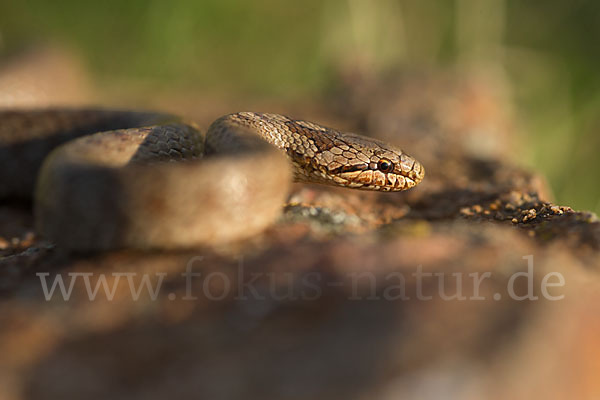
<point>105,179</point>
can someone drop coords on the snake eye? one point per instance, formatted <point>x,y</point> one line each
<point>385,165</point>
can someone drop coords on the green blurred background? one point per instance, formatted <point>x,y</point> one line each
<point>549,51</point>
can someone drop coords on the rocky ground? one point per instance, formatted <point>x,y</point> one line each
<point>472,285</point>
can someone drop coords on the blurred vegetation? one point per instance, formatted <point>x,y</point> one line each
<point>548,50</point>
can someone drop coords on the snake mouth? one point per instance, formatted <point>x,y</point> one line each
<point>376,180</point>
<point>404,175</point>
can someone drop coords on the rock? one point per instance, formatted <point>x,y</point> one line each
<point>473,285</point>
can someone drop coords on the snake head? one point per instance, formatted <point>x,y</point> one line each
<point>378,166</point>
<point>355,161</point>
<point>324,155</point>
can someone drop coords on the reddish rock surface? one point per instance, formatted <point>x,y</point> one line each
<point>473,285</point>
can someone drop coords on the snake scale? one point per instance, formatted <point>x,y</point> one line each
<point>104,179</point>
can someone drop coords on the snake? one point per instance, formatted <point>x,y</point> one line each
<point>102,179</point>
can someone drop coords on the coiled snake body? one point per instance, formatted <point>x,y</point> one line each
<point>121,188</point>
